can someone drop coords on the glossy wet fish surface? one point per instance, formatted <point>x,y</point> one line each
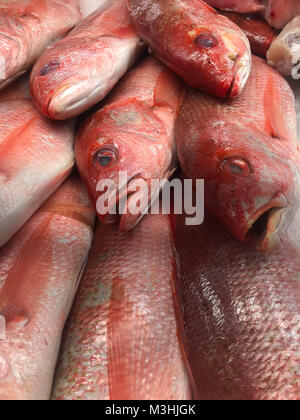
<point>134,133</point>
<point>239,313</point>
<point>39,273</point>
<point>27,27</point>
<point>120,342</point>
<point>206,49</point>
<point>36,156</point>
<point>277,12</point>
<point>259,33</point>
<point>247,152</point>
<point>108,45</point>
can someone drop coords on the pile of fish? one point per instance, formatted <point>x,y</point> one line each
<point>129,306</point>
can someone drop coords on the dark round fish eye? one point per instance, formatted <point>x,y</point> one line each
<point>207,40</point>
<point>106,156</point>
<point>237,166</point>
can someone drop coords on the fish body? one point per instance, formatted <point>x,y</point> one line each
<point>36,155</point>
<point>246,149</point>
<point>89,6</point>
<point>238,6</point>
<point>39,273</point>
<point>239,313</point>
<point>134,133</point>
<point>284,53</point>
<point>78,71</point>
<point>27,28</point>
<point>120,342</point>
<point>206,49</point>
<point>278,13</point>
<point>259,33</point>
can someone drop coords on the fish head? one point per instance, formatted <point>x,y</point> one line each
<point>72,76</point>
<point>223,51</point>
<point>251,180</point>
<point>125,157</point>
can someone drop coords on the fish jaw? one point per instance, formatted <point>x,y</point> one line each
<point>248,184</point>
<point>241,75</point>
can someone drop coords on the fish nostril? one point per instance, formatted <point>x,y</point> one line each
<point>207,40</point>
<point>49,67</point>
<point>237,166</point>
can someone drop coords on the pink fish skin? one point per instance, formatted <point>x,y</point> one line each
<point>277,12</point>
<point>133,132</point>
<point>246,149</point>
<point>121,339</point>
<point>27,27</point>
<point>239,313</point>
<point>36,156</point>
<point>78,71</point>
<point>206,49</point>
<point>244,6</point>
<point>39,273</point>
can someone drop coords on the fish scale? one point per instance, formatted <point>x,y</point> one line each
<point>120,341</point>
<point>240,313</point>
<point>39,270</point>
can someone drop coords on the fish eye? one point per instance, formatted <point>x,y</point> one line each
<point>49,68</point>
<point>206,40</point>
<point>106,156</point>
<point>237,166</point>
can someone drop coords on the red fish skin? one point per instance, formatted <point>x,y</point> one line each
<point>247,151</point>
<point>259,33</point>
<point>27,28</point>
<point>244,6</point>
<point>238,312</point>
<point>78,71</point>
<point>206,49</point>
<point>36,156</point>
<point>136,125</point>
<point>278,13</point>
<point>39,273</point>
<point>121,339</point>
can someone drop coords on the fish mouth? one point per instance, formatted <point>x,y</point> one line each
<point>72,99</point>
<point>263,227</point>
<point>242,70</point>
<point>137,190</point>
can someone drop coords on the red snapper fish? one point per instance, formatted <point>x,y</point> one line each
<point>121,341</point>
<point>36,156</point>
<point>246,149</point>
<point>78,71</point>
<point>134,133</point>
<point>277,12</point>
<point>39,273</point>
<point>259,33</point>
<point>27,27</point>
<point>206,49</point>
<point>239,313</point>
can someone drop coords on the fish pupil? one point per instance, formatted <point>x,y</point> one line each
<point>104,161</point>
<point>237,166</point>
<point>207,40</point>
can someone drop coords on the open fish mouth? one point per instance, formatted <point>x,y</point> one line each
<point>241,76</point>
<point>263,227</point>
<point>131,203</point>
